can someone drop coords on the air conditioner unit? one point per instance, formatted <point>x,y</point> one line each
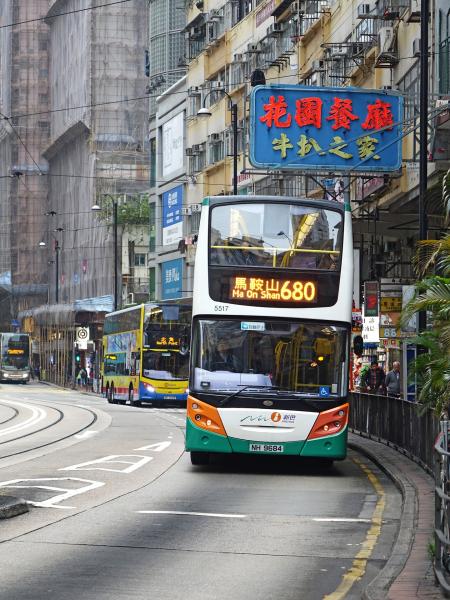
<point>215,15</point>
<point>317,65</point>
<point>194,91</point>
<point>197,148</point>
<point>196,208</point>
<point>196,33</point>
<point>365,11</point>
<point>275,29</point>
<point>337,51</point>
<point>298,7</point>
<point>386,39</point>
<point>186,210</point>
<point>211,31</point>
<point>237,58</point>
<point>215,137</point>
<point>416,47</point>
<point>216,85</point>
<point>253,49</point>
<point>414,11</point>
<point>190,152</point>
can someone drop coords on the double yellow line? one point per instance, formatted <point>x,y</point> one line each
<point>359,565</point>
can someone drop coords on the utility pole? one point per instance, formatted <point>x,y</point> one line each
<point>423,128</point>
<point>56,272</point>
<point>115,253</point>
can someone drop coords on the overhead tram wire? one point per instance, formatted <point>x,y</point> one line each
<point>152,96</point>
<point>8,120</point>
<point>434,112</point>
<point>431,114</point>
<point>63,14</point>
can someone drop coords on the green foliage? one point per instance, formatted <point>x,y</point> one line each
<point>432,366</point>
<point>136,210</point>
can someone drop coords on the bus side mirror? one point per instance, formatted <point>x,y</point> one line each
<point>358,345</point>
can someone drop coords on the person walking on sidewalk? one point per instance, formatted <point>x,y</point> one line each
<point>374,379</point>
<point>393,381</point>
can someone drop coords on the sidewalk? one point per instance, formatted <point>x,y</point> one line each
<point>408,573</point>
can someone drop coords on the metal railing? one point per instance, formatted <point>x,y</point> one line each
<point>397,423</point>
<point>442,508</point>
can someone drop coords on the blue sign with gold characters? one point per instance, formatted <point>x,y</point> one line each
<point>333,129</point>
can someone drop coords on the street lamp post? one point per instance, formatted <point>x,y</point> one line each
<point>56,272</point>
<point>96,207</point>
<point>205,112</point>
<point>56,261</point>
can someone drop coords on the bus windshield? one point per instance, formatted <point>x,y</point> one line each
<point>291,356</point>
<point>166,342</point>
<point>165,365</point>
<point>276,235</point>
<point>15,350</point>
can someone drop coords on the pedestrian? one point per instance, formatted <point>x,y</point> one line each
<point>393,381</point>
<point>374,379</point>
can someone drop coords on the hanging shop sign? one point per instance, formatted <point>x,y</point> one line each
<point>172,279</point>
<point>371,306</point>
<point>338,129</point>
<point>172,221</point>
<point>390,304</point>
<point>371,330</point>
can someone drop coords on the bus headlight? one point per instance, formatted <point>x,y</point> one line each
<point>5,375</point>
<point>149,388</point>
<point>25,375</point>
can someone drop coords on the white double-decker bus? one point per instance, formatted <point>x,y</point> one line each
<point>272,304</point>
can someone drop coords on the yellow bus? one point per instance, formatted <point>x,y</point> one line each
<point>146,353</point>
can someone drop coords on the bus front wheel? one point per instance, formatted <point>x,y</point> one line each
<point>131,399</point>
<point>200,458</point>
<point>110,395</point>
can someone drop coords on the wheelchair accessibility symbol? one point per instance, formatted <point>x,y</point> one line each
<point>324,391</point>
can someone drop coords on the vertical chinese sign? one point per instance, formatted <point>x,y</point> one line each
<point>172,279</point>
<point>339,129</point>
<point>172,219</point>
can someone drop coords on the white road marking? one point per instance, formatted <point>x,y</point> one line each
<point>191,514</point>
<point>85,434</point>
<point>340,520</point>
<point>112,459</point>
<point>51,502</point>
<point>37,415</point>
<point>159,447</point>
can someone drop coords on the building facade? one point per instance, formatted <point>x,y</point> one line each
<point>330,43</point>
<point>24,135</point>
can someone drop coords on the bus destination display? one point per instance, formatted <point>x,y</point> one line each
<point>259,289</point>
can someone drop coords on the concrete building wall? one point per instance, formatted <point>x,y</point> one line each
<point>23,138</point>
<point>98,152</point>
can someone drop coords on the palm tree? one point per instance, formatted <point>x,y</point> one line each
<point>432,367</point>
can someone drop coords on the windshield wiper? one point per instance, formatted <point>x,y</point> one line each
<point>247,387</point>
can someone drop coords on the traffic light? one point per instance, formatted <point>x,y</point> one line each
<point>358,345</point>
<point>77,356</point>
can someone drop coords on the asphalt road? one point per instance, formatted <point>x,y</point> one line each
<point>119,512</point>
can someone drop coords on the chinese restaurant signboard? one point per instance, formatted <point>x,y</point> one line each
<point>339,129</point>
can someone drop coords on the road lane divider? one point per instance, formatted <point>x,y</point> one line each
<point>191,514</point>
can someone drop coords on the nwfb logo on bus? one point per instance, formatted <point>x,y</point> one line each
<point>277,417</point>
